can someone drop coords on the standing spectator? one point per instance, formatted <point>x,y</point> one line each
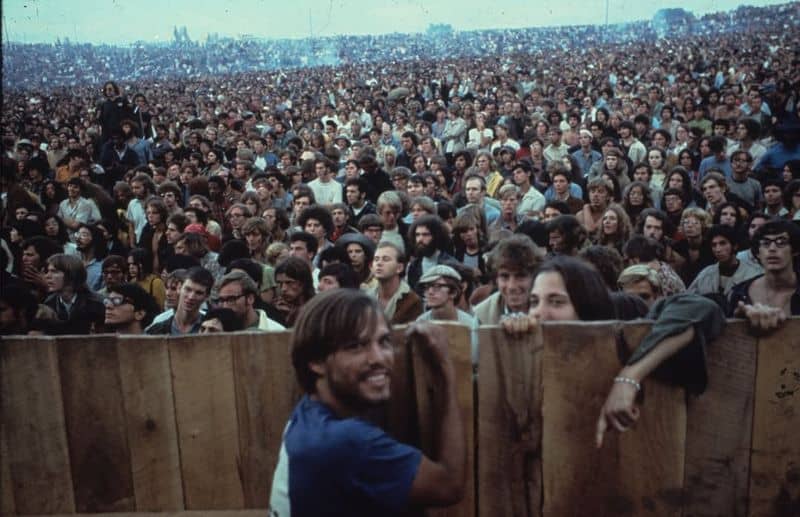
<point>187,318</point>
<point>76,209</point>
<point>129,309</point>
<point>399,302</point>
<point>295,288</point>
<point>113,110</point>
<point>78,310</point>
<point>381,476</point>
<point>512,263</point>
<point>238,292</point>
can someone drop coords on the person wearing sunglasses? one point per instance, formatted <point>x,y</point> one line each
<point>129,309</point>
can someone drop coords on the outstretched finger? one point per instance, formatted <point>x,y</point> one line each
<point>600,431</point>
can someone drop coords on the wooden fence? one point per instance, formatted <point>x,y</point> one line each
<point>103,424</point>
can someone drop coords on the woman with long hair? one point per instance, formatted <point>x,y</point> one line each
<point>614,229</point>
<point>635,199</point>
<point>140,271</point>
<point>154,237</point>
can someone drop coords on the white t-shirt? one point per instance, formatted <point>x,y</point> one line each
<point>326,193</point>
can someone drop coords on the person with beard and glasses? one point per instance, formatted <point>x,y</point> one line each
<point>432,245</point>
<point>343,358</point>
<point>129,309</point>
<point>187,318</point>
<point>92,248</point>
<point>238,292</point>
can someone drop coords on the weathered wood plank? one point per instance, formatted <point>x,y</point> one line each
<point>188,513</point>
<point>96,427</point>
<point>427,384</point>
<point>34,427</point>
<point>639,473</point>
<point>205,408</point>
<point>264,402</point>
<point>775,460</point>
<point>150,417</point>
<point>7,506</point>
<point>719,426</point>
<point>400,415</point>
<point>509,424</point>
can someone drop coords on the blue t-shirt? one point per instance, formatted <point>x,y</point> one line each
<point>334,466</point>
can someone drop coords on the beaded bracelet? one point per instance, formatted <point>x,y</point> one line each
<point>628,380</point>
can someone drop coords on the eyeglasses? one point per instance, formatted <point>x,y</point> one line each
<point>116,301</point>
<point>779,242</point>
<point>436,287</point>
<point>109,272</point>
<point>222,300</point>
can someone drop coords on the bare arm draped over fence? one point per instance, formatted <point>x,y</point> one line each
<point>147,424</point>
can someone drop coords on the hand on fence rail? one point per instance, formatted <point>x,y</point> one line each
<point>761,317</point>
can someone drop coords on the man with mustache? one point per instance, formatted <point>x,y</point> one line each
<point>333,460</point>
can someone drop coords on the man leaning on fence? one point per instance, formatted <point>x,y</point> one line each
<point>333,461</point>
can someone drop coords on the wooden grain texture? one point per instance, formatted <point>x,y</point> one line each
<point>400,417</point>
<point>775,460</point>
<point>7,506</point>
<point>264,402</point>
<point>96,427</point>
<point>638,473</point>
<point>205,408</point>
<point>150,417</point>
<point>187,513</point>
<point>427,386</point>
<point>509,424</point>
<point>34,427</point>
<point>719,426</point>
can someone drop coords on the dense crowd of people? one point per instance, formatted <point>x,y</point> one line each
<point>496,177</point>
<point>439,185</point>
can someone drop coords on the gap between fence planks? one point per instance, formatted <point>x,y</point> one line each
<point>122,387</point>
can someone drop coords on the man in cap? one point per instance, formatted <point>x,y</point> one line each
<point>442,288</point>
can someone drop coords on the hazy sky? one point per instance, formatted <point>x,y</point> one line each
<point>117,21</point>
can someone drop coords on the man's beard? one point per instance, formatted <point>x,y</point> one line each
<point>425,250</point>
